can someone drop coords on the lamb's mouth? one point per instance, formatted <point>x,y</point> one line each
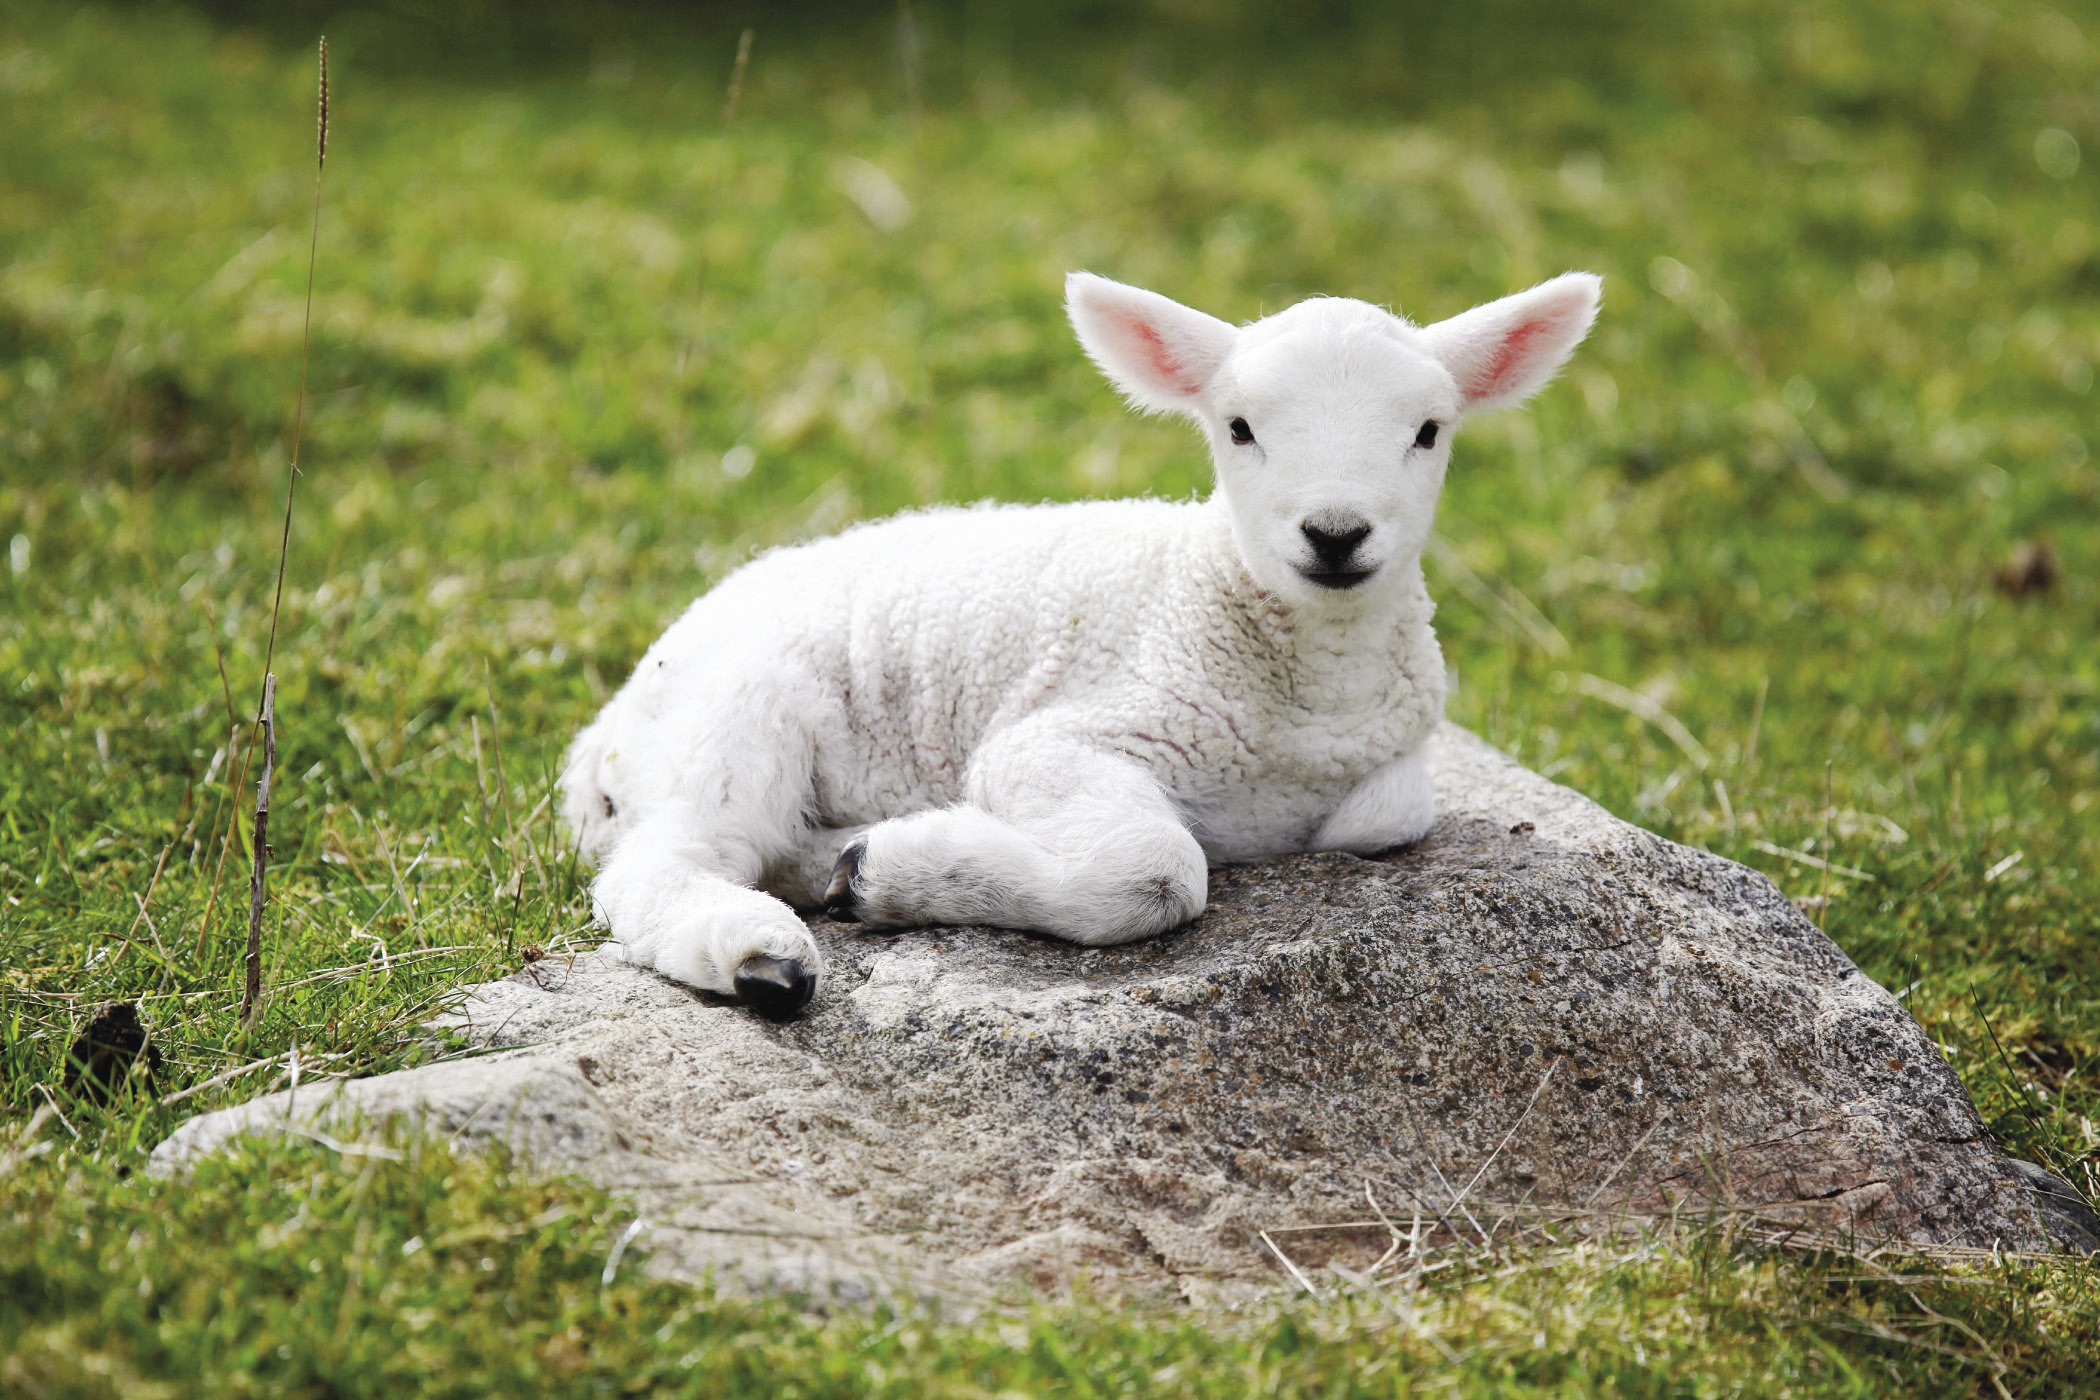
<point>1337,579</point>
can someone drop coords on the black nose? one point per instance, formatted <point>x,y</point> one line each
<point>1333,547</point>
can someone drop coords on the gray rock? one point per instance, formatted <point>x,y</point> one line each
<point>1539,1010</point>
<point>2069,1220</point>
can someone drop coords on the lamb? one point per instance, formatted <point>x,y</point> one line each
<point>1055,717</point>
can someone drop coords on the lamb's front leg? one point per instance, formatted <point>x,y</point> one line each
<point>1392,805</point>
<point>1066,841</point>
<point>679,903</point>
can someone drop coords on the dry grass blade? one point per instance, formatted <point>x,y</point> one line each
<point>266,712</point>
<point>1624,1162</point>
<point>515,874</point>
<point>1813,862</point>
<point>1643,708</point>
<point>56,1111</point>
<point>151,885</point>
<point>736,78</point>
<point>1512,609</point>
<point>225,1077</point>
<point>1285,1260</point>
<point>1522,1118</point>
<point>258,880</point>
<point>25,1147</point>
<point>619,1250</point>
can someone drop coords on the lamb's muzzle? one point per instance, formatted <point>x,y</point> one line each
<point>1334,544</point>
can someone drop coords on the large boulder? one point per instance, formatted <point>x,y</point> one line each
<point>1539,1011</point>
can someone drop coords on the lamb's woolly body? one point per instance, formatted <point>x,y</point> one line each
<point>1054,717</point>
<point>893,652</point>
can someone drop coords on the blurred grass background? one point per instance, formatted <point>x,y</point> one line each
<point>1797,562</point>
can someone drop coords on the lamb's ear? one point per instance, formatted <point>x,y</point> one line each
<point>1158,352</point>
<point>1505,351</point>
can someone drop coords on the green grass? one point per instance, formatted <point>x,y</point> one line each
<point>1845,368</point>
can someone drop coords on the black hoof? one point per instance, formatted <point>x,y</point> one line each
<point>776,988</point>
<point>842,895</point>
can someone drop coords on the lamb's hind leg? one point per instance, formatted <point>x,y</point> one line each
<point>1080,845</point>
<point>676,890</point>
<point>802,875</point>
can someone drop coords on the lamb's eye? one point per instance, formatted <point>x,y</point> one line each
<point>1427,437</point>
<point>1241,433</point>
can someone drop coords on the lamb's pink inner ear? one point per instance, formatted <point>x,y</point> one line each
<point>1505,367</point>
<point>1147,343</point>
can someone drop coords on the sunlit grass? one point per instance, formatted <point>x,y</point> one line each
<point>578,351</point>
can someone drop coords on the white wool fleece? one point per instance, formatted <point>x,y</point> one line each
<point>1054,717</point>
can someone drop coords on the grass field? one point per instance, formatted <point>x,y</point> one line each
<point>1800,562</point>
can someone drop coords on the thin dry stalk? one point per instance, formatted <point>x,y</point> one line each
<point>510,829</point>
<point>1457,1203</point>
<point>911,62</point>
<point>1285,1260</point>
<point>24,1148</point>
<point>56,1111</point>
<point>1624,1162</point>
<point>1516,613</point>
<point>1787,853</point>
<point>210,783</point>
<point>236,779</point>
<point>1413,1239</point>
<point>258,880</point>
<point>386,852</point>
<point>736,77</point>
<point>510,826</point>
<point>218,655</point>
<point>313,249</point>
<point>1648,710</point>
<point>1757,722</point>
<point>266,714</point>
<point>224,1078</point>
<point>481,780</point>
<point>151,885</point>
<point>627,1236</point>
<point>1544,1079</point>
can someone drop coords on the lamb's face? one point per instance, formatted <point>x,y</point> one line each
<point>1330,423</point>
<point>1330,427</point>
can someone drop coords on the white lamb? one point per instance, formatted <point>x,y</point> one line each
<point>1054,717</point>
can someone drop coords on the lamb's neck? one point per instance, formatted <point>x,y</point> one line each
<point>1311,639</point>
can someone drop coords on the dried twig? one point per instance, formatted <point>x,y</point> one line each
<point>216,1080</point>
<point>1517,613</point>
<point>736,78</point>
<point>1812,862</point>
<point>1645,708</point>
<point>56,1111</point>
<point>266,713</point>
<point>24,1147</point>
<point>1285,1260</point>
<point>628,1235</point>
<point>1543,1080</point>
<point>218,654</point>
<point>258,880</point>
<point>481,783</point>
<point>236,779</point>
<point>151,885</point>
<point>510,827</point>
<point>1757,722</point>
<point>1624,1162</point>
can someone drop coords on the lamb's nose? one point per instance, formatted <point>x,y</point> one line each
<point>1334,547</point>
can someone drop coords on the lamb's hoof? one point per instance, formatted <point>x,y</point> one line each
<point>776,988</point>
<point>842,895</point>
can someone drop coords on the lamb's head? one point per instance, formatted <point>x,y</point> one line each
<point>1330,423</point>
